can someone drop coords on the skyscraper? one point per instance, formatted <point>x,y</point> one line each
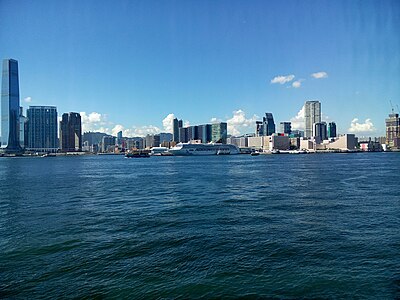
<point>22,128</point>
<point>312,114</point>
<point>320,131</point>
<point>219,132</point>
<point>393,131</point>
<point>332,130</point>
<point>267,126</point>
<point>286,127</point>
<point>204,133</point>
<point>42,128</point>
<point>175,128</point>
<point>71,132</point>
<point>10,106</point>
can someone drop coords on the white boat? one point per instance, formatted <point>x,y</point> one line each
<point>184,149</point>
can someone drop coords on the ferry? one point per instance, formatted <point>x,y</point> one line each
<point>137,154</point>
<point>184,149</point>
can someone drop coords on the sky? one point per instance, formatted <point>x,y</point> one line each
<point>135,65</point>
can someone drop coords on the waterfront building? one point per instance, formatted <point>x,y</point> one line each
<point>10,127</point>
<point>204,133</point>
<point>332,130</point>
<point>393,131</point>
<point>183,135</point>
<point>267,126</point>
<point>320,131</point>
<point>286,127</point>
<point>219,132</point>
<point>119,138</point>
<point>343,142</point>
<point>71,132</point>
<point>192,133</point>
<point>22,128</point>
<point>279,142</point>
<point>108,143</point>
<point>166,137</point>
<point>42,128</point>
<point>370,145</point>
<point>176,124</point>
<point>152,140</point>
<point>312,114</point>
<point>258,142</point>
<point>241,142</point>
<point>93,140</point>
<point>135,143</point>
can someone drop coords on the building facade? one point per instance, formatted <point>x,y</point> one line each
<point>393,131</point>
<point>332,130</point>
<point>320,131</point>
<point>10,128</point>
<point>265,127</point>
<point>286,127</point>
<point>71,132</point>
<point>312,114</point>
<point>219,132</point>
<point>42,128</point>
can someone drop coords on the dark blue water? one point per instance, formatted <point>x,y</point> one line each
<point>284,226</point>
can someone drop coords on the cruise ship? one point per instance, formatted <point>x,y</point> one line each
<point>183,149</point>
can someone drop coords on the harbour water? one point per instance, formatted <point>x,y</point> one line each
<point>284,226</point>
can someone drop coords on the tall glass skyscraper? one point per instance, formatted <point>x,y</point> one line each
<point>42,128</point>
<point>10,106</point>
<point>312,114</point>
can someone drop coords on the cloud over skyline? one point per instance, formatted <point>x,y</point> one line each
<point>361,128</point>
<point>239,124</point>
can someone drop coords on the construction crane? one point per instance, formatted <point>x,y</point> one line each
<point>391,105</point>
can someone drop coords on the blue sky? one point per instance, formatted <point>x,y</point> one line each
<point>129,64</point>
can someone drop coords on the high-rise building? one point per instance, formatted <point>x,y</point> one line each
<point>312,114</point>
<point>267,126</point>
<point>204,133</point>
<point>10,129</point>
<point>71,132</point>
<point>286,127</point>
<point>219,132</point>
<point>320,131</point>
<point>108,143</point>
<point>183,135</point>
<point>176,124</point>
<point>193,133</point>
<point>332,130</point>
<point>42,128</point>
<point>393,131</point>
<point>22,128</point>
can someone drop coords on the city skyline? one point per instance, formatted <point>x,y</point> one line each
<point>226,61</point>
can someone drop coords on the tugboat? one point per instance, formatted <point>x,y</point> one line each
<point>137,154</point>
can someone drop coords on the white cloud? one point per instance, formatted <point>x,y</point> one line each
<point>28,99</point>
<point>361,128</point>
<point>282,79</point>
<point>95,122</point>
<point>319,75</point>
<point>168,123</point>
<point>238,124</point>
<point>298,122</point>
<point>296,84</point>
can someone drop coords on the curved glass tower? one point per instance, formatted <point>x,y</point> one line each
<point>10,106</point>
